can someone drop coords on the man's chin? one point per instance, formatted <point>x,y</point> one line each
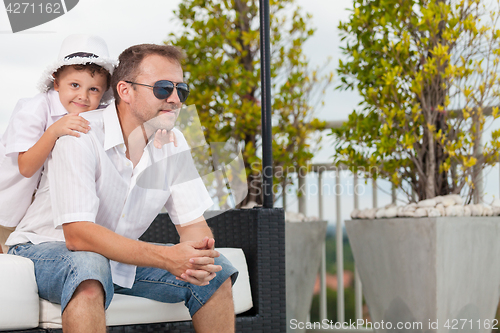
<point>166,122</point>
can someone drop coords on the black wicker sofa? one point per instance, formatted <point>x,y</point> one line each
<point>261,234</point>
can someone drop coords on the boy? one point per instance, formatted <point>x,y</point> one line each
<point>78,82</point>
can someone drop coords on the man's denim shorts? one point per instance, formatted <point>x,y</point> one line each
<point>59,271</point>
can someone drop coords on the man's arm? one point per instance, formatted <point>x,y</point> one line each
<point>194,230</point>
<point>183,260</point>
<point>197,230</point>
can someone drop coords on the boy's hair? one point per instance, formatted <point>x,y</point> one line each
<point>91,68</point>
<point>130,60</point>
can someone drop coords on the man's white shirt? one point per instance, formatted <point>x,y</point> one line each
<point>90,179</point>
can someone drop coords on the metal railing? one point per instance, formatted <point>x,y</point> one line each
<point>320,169</point>
<point>358,292</point>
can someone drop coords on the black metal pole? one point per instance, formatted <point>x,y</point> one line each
<point>265,79</point>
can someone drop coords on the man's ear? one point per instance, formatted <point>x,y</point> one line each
<point>124,90</point>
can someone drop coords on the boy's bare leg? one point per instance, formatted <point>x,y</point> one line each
<point>217,315</point>
<point>85,311</point>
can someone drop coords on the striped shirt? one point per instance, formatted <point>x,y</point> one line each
<point>90,179</point>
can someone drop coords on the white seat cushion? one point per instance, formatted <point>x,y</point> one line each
<point>126,310</point>
<point>18,292</point>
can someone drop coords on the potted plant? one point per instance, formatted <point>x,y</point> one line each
<point>427,71</point>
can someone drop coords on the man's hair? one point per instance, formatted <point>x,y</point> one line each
<point>130,60</point>
<point>91,68</point>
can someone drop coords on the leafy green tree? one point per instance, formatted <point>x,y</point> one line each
<point>427,71</point>
<point>221,40</point>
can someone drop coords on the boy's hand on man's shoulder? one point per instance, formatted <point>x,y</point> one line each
<point>162,137</point>
<point>69,125</point>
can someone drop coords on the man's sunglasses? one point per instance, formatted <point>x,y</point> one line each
<point>164,88</point>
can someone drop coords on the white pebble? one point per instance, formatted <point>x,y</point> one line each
<point>476,210</point>
<point>294,217</point>
<point>441,209</point>
<point>427,203</point>
<point>496,210</point>
<point>401,211</point>
<point>458,199</point>
<point>447,201</point>
<point>355,214</point>
<point>409,213</point>
<point>421,212</point>
<point>433,212</point>
<point>487,211</point>
<point>451,211</point>
<point>380,213</point>
<point>467,211</point>
<point>391,212</point>
<point>370,214</point>
<point>410,207</point>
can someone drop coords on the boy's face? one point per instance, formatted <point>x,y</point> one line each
<point>78,90</point>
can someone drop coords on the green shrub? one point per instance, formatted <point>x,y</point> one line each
<point>331,305</point>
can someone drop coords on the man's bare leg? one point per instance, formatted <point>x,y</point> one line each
<point>85,311</point>
<point>217,315</point>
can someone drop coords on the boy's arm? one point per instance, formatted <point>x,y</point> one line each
<point>32,159</point>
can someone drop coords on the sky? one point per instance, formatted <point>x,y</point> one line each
<point>122,23</point>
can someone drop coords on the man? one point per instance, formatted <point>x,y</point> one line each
<point>82,227</point>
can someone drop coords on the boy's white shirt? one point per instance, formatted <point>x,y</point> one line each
<point>30,119</point>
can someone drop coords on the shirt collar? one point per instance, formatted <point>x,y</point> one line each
<point>56,107</point>
<point>113,135</point>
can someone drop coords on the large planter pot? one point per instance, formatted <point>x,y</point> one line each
<point>442,272</point>
<point>303,246</point>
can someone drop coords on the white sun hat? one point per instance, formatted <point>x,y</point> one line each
<point>80,50</point>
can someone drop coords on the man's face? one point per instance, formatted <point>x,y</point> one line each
<point>149,110</point>
<point>78,90</point>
